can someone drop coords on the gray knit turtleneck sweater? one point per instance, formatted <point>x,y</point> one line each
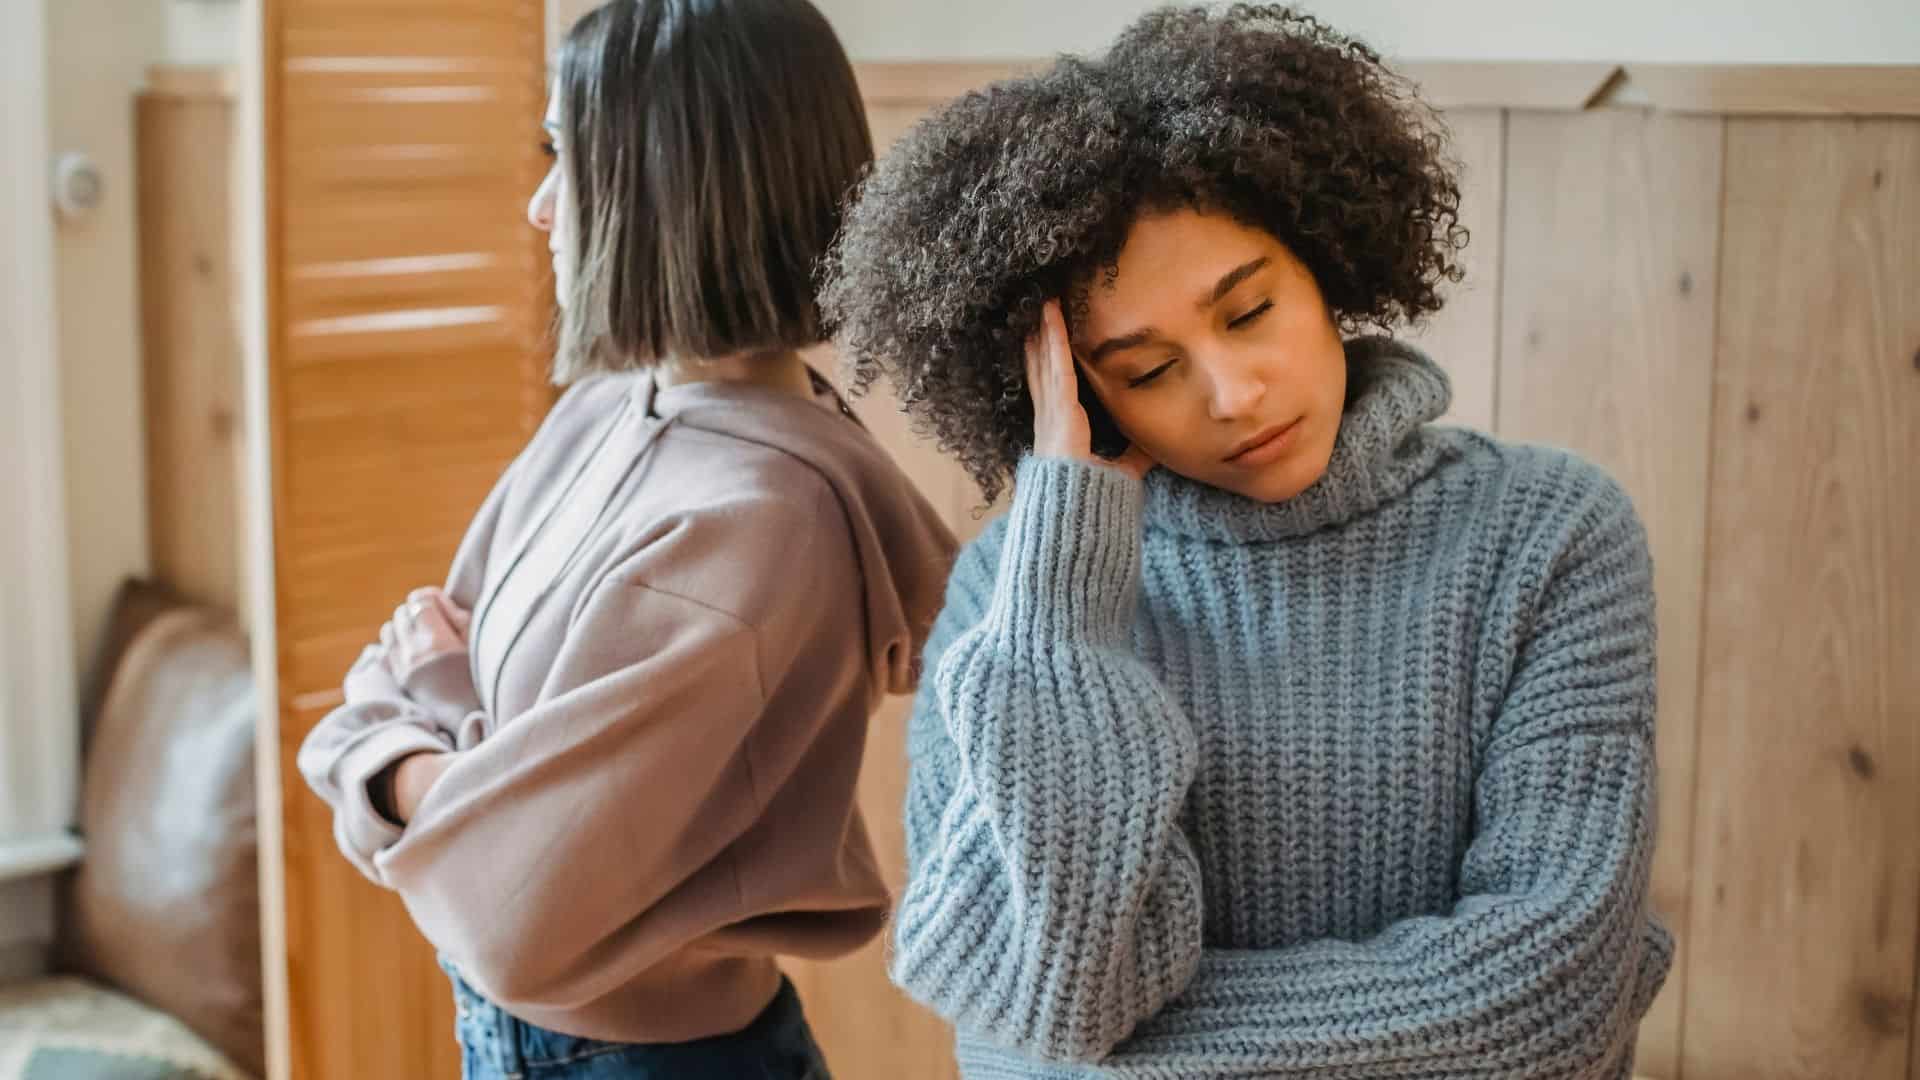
<point>1357,785</point>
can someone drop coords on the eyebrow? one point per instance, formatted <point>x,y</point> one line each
<point>1234,277</point>
<point>1116,344</point>
<point>1221,288</point>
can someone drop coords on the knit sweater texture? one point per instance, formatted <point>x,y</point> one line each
<point>1355,786</point>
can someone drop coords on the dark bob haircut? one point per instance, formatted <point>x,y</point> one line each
<point>710,146</point>
<point>1026,191</point>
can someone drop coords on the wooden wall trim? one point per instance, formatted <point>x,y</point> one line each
<point>1519,85</point>
<point>190,347</point>
<point>1825,90</point>
<point>1732,89</point>
<point>931,82</point>
<point>1446,84</point>
<point>256,163</point>
<point>192,82</point>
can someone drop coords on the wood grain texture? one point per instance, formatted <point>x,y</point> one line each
<point>1509,84</point>
<point>922,83</point>
<point>1726,89</point>
<point>1606,349</point>
<point>890,121</point>
<point>1807,879</point>
<point>190,339</point>
<point>407,307</point>
<point>193,82</point>
<point>1447,84</point>
<point>1464,337</point>
<point>1731,89</point>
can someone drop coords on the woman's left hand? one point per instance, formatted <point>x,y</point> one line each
<point>425,628</point>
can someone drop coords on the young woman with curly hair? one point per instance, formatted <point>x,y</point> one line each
<point>1275,731</point>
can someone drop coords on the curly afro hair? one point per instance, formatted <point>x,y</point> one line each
<point>1027,189</point>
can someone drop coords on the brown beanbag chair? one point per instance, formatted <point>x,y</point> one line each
<point>165,905</point>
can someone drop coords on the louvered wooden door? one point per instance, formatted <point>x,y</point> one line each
<point>408,314</point>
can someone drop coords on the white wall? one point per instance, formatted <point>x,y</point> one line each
<point>39,744</point>
<point>203,32</point>
<point>98,53</point>
<point>1679,31</point>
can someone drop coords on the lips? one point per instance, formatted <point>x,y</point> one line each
<point>1262,444</point>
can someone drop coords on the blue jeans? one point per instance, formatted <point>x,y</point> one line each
<point>777,1045</point>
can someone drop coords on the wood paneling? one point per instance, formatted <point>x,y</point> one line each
<point>408,301</point>
<point>1807,881</point>
<point>1606,349</point>
<point>1516,84</point>
<point>1464,336</point>
<point>185,141</point>
<point>1857,89</point>
<point>886,84</point>
<point>1456,85</point>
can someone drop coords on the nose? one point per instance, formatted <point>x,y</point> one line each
<point>540,207</point>
<point>1235,391</point>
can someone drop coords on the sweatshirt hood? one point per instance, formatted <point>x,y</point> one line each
<point>904,548</point>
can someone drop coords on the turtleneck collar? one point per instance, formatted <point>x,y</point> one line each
<point>1380,452</point>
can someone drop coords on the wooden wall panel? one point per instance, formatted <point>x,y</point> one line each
<point>408,303</point>
<point>190,328</point>
<point>1606,349</point>
<point>1808,877</point>
<point>1512,84</point>
<point>1464,338</point>
<point>889,120</point>
<point>1777,89</point>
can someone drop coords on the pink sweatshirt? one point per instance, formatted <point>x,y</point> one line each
<point>685,605</point>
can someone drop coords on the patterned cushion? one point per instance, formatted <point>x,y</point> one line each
<point>71,1029</point>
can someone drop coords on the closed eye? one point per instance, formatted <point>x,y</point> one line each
<point>1143,380</point>
<point>547,148</point>
<point>1252,316</point>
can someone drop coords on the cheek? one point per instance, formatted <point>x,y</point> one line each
<point>563,212</point>
<point>1162,420</point>
<point>1329,373</point>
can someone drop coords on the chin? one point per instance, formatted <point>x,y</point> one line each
<point>1279,481</point>
<point>1277,487</point>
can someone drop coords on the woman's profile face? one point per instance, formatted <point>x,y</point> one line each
<point>1213,351</point>
<point>551,208</point>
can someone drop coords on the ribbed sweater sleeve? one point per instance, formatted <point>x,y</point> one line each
<point>1053,902</point>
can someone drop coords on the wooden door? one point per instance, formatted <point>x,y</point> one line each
<point>408,309</point>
